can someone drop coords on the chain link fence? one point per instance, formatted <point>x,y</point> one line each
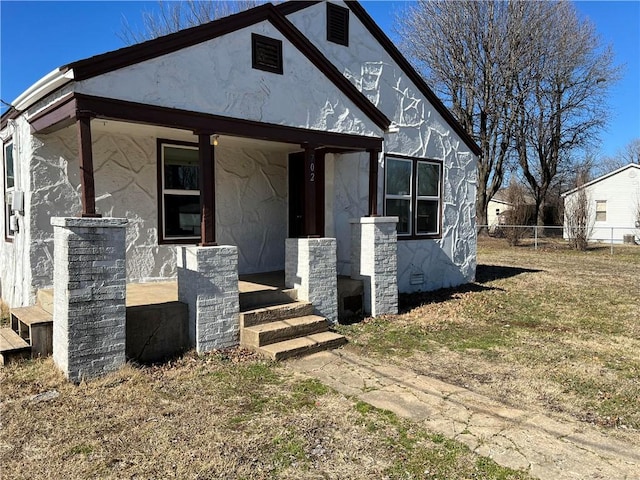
<point>553,236</point>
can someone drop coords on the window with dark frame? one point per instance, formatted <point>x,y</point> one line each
<point>266,53</point>
<point>337,24</point>
<point>9,188</point>
<point>179,189</point>
<point>413,193</point>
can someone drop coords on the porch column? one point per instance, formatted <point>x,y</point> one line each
<point>311,268</point>
<point>207,190</point>
<point>310,191</point>
<point>374,260</point>
<point>89,294</point>
<point>85,157</point>
<point>373,183</point>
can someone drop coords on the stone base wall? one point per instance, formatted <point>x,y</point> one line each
<point>374,260</point>
<point>311,269</point>
<point>208,284</point>
<point>89,292</point>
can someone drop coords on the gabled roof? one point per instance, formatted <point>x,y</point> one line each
<point>603,177</point>
<point>107,62</point>
<point>127,56</point>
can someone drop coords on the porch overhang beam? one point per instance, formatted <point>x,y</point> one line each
<point>111,109</point>
<point>55,117</point>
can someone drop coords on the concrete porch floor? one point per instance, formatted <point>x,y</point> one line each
<point>163,292</point>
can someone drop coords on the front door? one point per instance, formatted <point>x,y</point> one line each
<point>297,187</point>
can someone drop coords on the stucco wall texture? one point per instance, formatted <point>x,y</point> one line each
<point>251,182</point>
<point>445,262</point>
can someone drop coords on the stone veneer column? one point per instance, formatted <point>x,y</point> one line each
<point>310,267</point>
<point>208,284</point>
<point>374,259</point>
<point>89,292</point>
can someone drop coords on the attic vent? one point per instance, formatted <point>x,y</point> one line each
<point>266,53</point>
<point>338,24</point>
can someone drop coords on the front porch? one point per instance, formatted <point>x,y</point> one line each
<point>157,322</point>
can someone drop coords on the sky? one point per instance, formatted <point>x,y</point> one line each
<point>37,37</point>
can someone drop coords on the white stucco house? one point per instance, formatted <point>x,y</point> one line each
<point>278,122</point>
<point>614,205</point>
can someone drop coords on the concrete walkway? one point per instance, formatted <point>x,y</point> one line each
<point>546,448</point>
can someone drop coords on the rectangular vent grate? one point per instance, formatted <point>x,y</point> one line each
<point>338,24</point>
<point>266,53</point>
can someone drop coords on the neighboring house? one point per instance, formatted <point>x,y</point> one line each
<point>614,204</point>
<point>303,116</point>
<point>498,205</point>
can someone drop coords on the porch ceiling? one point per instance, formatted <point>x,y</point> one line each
<point>142,130</point>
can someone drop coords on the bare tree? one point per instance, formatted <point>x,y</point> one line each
<point>578,216</point>
<point>525,79</point>
<point>518,213</point>
<point>171,16</point>
<point>562,107</point>
<point>630,153</point>
<point>470,52</point>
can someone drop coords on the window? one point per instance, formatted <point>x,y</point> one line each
<point>180,192</point>
<point>266,53</point>
<point>338,24</point>
<point>413,191</point>
<point>9,189</point>
<point>601,210</point>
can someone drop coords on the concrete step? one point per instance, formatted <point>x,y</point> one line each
<point>279,331</point>
<point>303,345</point>
<point>274,313</point>
<point>35,326</point>
<point>12,346</point>
<point>261,298</point>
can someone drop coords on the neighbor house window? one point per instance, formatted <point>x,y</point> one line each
<point>266,53</point>
<point>338,24</point>
<point>413,193</point>
<point>179,191</point>
<point>9,188</point>
<point>601,210</point>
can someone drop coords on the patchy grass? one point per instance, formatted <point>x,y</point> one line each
<point>4,315</point>
<point>227,415</point>
<point>554,330</point>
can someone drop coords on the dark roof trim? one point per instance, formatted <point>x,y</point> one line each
<point>110,109</point>
<point>287,8</point>
<point>127,56</point>
<point>413,75</point>
<point>321,62</point>
<point>10,114</point>
<point>54,117</point>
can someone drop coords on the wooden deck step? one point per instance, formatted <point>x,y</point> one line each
<point>279,331</point>
<point>35,326</point>
<point>12,346</point>
<point>303,345</point>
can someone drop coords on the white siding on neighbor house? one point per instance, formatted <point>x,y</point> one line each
<point>621,192</point>
<point>445,262</point>
<point>216,77</point>
<point>494,209</point>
